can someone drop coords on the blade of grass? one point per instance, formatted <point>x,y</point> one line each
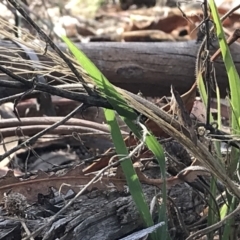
<point>228,230</point>
<point>127,167</point>
<point>158,152</point>
<point>122,108</point>
<point>224,211</point>
<point>233,77</point>
<point>234,83</point>
<point>152,145</point>
<point>128,114</point>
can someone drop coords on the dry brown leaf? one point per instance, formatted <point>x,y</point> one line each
<point>74,179</point>
<point>189,174</point>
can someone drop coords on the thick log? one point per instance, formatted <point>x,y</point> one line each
<point>148,67</point>
<point>152,67</point>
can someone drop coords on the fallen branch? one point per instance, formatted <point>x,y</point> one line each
<point>149,68</point>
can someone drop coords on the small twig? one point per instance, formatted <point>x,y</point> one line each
<point>233,38</point>
<point>11,98</point>
<point>207,61</point>
<point>26,229</point>
<point>27,121</point>
<point>89,100</point>
<point>63,130</point>
<point>35,137</point>
<point>183,13</point>
<point>227,14</point>
<point>25,82</point>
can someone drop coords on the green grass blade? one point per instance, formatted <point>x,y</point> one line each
<point>233,77</point>
<point>234,83</point>
<point>229,225</point>
<point>122,108</point>
<point>224,211</point>
<point>127,167</point>
<point>158,151</point>
<point>128,114</point>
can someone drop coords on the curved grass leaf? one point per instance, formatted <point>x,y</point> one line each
<point>234,83</point>
<point>233,77</point>
<point>128,114</point>
<point>127,167</point>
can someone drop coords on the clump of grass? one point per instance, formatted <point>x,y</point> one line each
<point>107,90</point>
<point>231,169</point>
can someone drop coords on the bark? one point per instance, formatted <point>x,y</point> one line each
<point>147,67</point>
<point>99,215</point>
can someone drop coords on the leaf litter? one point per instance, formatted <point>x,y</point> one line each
<point>75,175</point>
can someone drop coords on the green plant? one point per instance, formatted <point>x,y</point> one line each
<point>234,83</point>
<point>107,90</point>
